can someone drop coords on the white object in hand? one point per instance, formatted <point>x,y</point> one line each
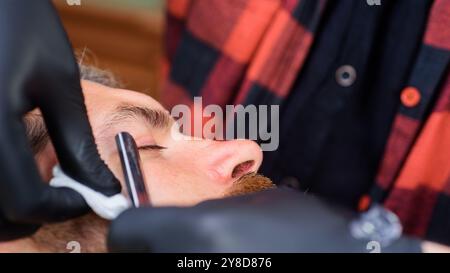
<point>106,207</point>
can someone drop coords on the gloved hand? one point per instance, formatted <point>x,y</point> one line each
<point>38,69</point>
<point>271,221</point>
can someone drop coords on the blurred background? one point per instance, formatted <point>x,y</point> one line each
<point>122,36</point>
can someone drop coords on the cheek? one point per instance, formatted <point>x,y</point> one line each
<point>177,182</point>
<point>160,183</point>
<point>114,164</point>
<point>163,182</point>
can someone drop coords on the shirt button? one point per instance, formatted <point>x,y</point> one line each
<point>290,182</point>
<point>346,75</point>
<point>410,96</point>
<point>364,203</point>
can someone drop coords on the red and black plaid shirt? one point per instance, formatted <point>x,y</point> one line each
<point>228,51</point>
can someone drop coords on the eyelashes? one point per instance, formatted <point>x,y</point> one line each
<point>151,148</point>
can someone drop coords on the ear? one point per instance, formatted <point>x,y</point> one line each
<point>46,160</point>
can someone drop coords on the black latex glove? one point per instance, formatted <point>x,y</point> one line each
<point>38,69</point>
<point>271,221</point>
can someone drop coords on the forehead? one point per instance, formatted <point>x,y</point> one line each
<point>101,99</point>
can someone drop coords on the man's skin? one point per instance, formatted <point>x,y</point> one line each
<point>178,172</point>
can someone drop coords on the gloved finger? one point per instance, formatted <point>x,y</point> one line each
<point>57,92</point>
<point>68,126</point>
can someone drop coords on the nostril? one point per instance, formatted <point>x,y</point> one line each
<point>242,168</point>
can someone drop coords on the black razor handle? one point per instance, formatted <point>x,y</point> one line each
<point>131,165</point>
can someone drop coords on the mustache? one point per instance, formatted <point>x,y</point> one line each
<point>250,183</point>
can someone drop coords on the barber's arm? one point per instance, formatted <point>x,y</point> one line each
<point>38,69</point>
<point>271,221</point>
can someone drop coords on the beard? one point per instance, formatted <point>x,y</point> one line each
<point>249,183</point>
<point>89,232</point>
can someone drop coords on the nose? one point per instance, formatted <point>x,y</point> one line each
<point>227,161</point>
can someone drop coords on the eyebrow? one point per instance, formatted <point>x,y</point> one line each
<point>38,136</point>
<point>156,118</point>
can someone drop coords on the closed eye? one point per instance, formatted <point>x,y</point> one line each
<point>151,147</point>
